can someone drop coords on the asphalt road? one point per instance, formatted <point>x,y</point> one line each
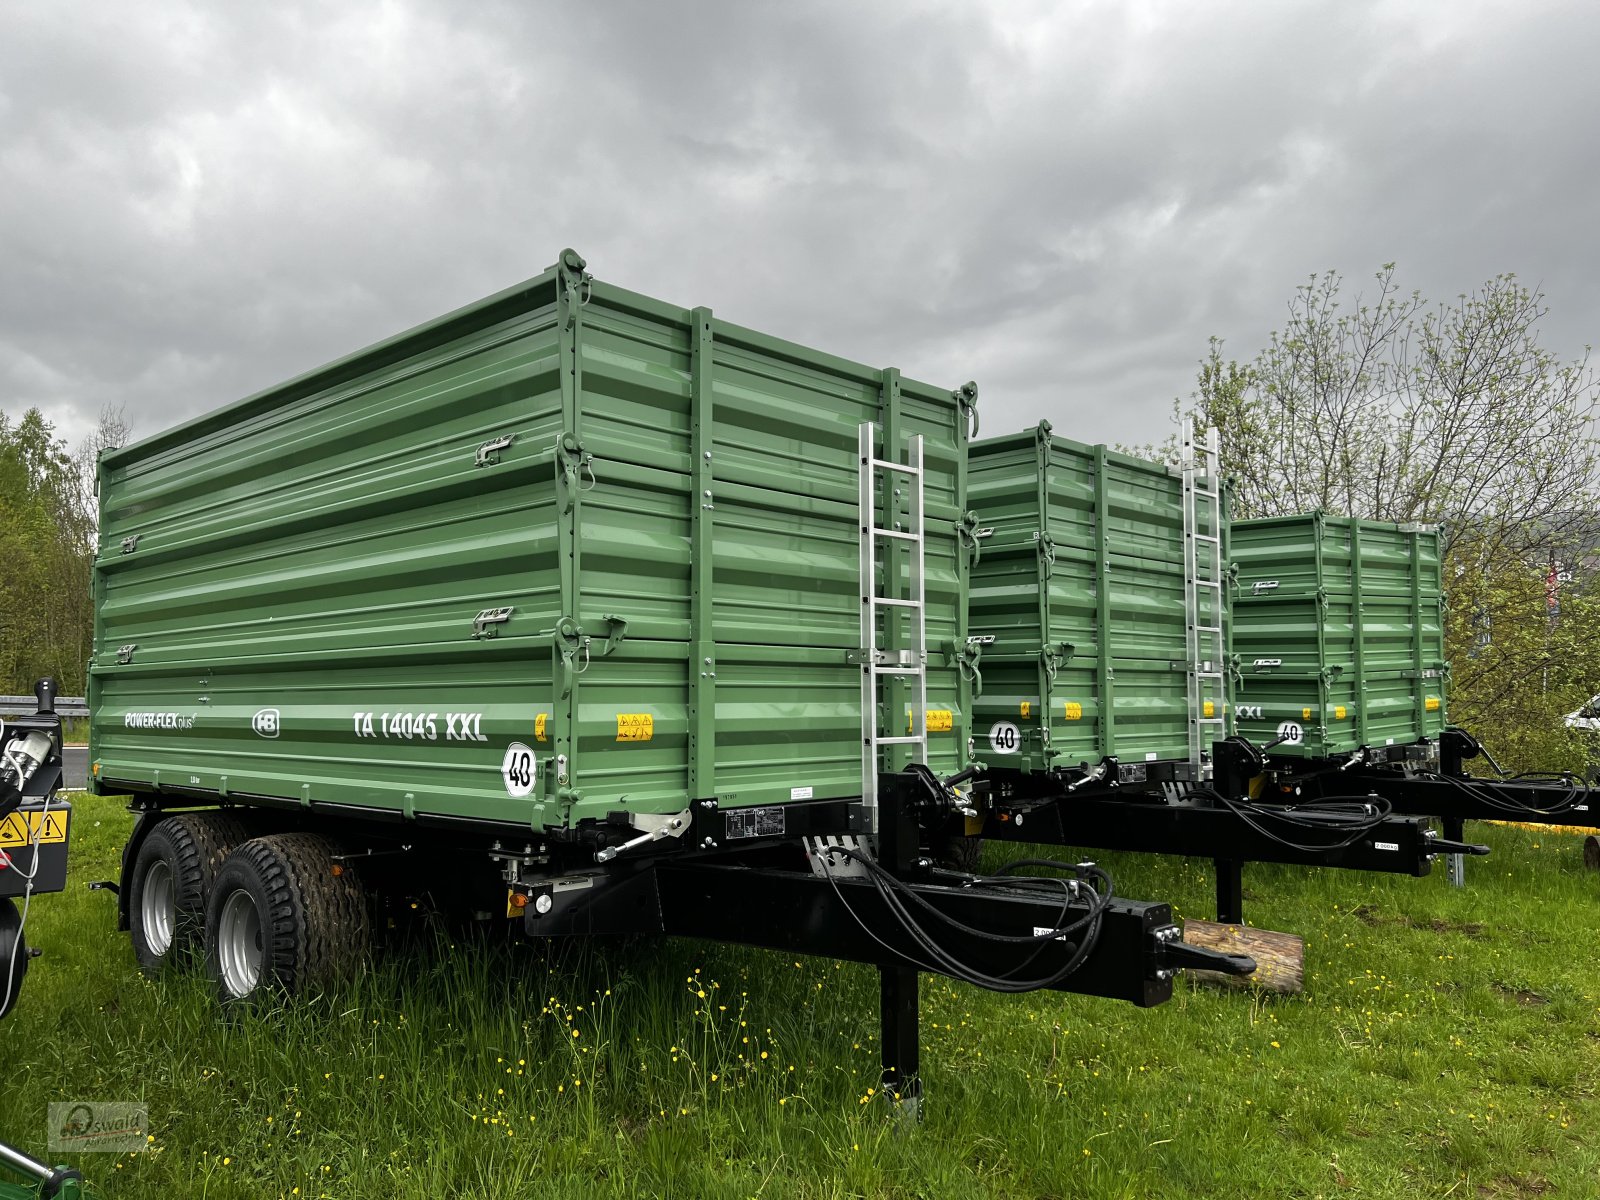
<point>76,765</point>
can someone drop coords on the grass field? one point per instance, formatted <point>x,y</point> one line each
<point>1448,1044</point>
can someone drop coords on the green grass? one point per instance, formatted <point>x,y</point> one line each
<point>1446,1045</point>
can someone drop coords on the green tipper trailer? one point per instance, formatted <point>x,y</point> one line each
<point>1101,604</point>
<point>1097,605</point>
<point>1339,635</point>
<point>578,607</point>
<point>564,553</point>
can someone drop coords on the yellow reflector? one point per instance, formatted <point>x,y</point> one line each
<point>1027,708</point>
<point>1210,709</point>
<point>1305,714</point>
<point>1432,703</point>
<point>1338,712</point>
<point>1074,711</point>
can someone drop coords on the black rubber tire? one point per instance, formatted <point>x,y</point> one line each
<point>957,853</point>
<point>194,845</point>
<point>314,928</point>
<point>13,955</point>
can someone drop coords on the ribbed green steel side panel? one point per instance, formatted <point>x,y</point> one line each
<point>1081,588</point>
<point>673,525</point>
<point>1338,631</point>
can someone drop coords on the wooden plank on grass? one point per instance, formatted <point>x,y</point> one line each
<point>1280,957</point>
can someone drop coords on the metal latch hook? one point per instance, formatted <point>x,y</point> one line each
<point>489,453</point>
<point>484,624</point>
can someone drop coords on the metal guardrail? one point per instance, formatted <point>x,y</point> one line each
<point>66,706</point>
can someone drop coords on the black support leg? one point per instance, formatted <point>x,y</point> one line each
<point>1230,891</point>
<point>902,1065</point>
<point>1455,830</point>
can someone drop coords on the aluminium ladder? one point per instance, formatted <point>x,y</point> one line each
<point>1203,594</point>
<point>894,628</point>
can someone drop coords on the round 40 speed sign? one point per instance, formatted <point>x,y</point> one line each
<point>520,770</point>
<point>1005,738</point>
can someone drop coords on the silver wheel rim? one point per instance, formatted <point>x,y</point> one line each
<point>239,943</point>
<point>158,908</point>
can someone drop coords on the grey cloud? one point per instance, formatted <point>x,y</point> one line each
<point>1062,202</point>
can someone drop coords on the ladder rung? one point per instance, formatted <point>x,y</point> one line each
<point>1207,537</point>
<point>904,468</point>
<point>913,740</point>
<point>897,670</point>
<point>894,533</point>
<point>895,602</point>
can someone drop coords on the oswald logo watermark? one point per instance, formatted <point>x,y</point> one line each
<point>90,1126</point>
<point>266,722</point>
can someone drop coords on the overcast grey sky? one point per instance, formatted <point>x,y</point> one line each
<point>1062,201</point>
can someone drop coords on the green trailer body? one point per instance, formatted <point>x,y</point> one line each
<point>567,552</point>
<point>1079,603</point>
<point>1338,632</point>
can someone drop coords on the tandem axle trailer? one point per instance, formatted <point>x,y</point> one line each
<point>582,607</point>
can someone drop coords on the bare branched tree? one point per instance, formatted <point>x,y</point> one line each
<point>1398,410</point>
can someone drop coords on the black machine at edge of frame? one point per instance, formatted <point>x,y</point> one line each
<point>34,824</point>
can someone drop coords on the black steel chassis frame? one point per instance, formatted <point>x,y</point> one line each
<point>1448,792</point>
<point>1107,814</point>
<point>741,899</point>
